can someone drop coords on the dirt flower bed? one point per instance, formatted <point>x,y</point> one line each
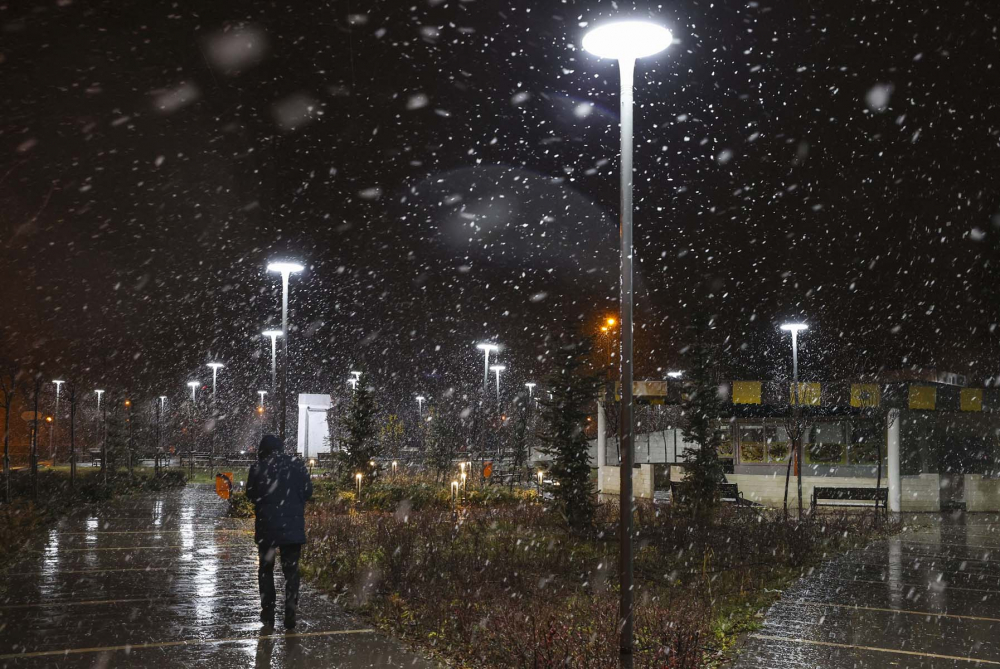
<point>509,586</point>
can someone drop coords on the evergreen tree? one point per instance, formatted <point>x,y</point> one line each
<point>702,409</point>
<point>441,440</point>
<point>521,436</point>
<point>359,430</point>
<point>573,388</point>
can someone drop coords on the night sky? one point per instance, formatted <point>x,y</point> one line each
<point>448,173</point>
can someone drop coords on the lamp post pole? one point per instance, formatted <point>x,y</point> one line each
<point>486,348</point>
<point>286,269</point>
<point>794,328</point>
<point>625,42</point>
<point>55,422</point>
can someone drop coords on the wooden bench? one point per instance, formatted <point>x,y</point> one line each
<point>841,495</point>
<point>728,492</point>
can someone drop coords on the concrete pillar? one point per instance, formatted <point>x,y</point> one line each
<point>892,450</point>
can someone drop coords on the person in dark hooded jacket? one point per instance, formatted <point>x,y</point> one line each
<point>279,487</point>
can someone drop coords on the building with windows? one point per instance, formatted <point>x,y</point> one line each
<point>932,442</point>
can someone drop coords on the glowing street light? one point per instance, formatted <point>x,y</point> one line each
<point>625,41</point>
<point>420,405</point>
<point>497,369</point>
<point>286,269</point>
<point>262,393</point>
<point>216,366</point>
<point>193,385</point>
<point>358,477</point>
<point>486,348</point>
<point>795,328</point>
<point>531,387</point>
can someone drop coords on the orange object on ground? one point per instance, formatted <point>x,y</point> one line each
<point>224,484</point>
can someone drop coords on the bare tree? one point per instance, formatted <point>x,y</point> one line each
<point>9,384</point>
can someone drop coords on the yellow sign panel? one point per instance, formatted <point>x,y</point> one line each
<point>865,395</point>
<point>649,388</point>
<point>972,399</point>
<point>746,392</point>
<point>923,397</point>
<point>809,394</point>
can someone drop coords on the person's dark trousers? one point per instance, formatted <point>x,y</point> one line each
<point>265,576</point>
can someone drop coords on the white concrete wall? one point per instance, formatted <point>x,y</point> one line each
<point>313,433</point>
<point>981,494</point>
<point>609,481</point>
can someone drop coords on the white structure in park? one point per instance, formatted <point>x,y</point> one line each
<point>314,432</point>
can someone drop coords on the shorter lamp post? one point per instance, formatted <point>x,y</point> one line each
<point>358,477</point>
<point>420,405</point>
<point>394,464</point>
<point>454,494</point>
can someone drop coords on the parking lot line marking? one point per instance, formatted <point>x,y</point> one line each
<point>86,602</point>
<point>948,586</point>
<point>220,530</point>
<point>142,548</point>
<point>929,614</point>
<point>876,649</point>
<point>184,642</point>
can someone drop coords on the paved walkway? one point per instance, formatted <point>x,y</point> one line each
<point>166,581</point>
<point>927,598</point>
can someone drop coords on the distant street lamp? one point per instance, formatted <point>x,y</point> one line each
<point>216,366</point>
<point>486,348</point>
<point>795,328</point>
<point>531,387</point>
<point>675,375</point>
<point>97,416</point>
<point>160,410</point>
<point>262,393</point>
<point>273,334</point>
<point>55,422</point>
<point>626,41</point>
<point>286,269</point>
<point>355,377</point>
<point>497,369</point>
<point>420,405</point>
<point>193,385</point>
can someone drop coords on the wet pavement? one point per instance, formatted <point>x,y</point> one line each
<point>166,581</point>
<point>929,597</point>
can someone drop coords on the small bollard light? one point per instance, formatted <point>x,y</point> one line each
<point>394,463</point>
<point>312,463</point>
<point>463,482</point>
<point>358,477</point>
<point>454,493</point>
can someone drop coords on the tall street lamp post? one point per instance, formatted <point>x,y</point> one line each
<point>97,424</point>
<point>486,348</point>
<point>128,419</point>
<point>795,328</point>
<point>497,369</point>
<point>273,334</point>
<point>626,41</point>
<point>193,385</point>
<point>216,366</point>
<point>286,269</point>
<point>55,422</point>
<point>160,408</point>
<point>420,405</point>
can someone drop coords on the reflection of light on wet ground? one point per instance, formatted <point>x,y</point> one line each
<point>50,565</point>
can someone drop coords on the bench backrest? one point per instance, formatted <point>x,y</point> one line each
<point>726,490</point>
<point>869,494</point>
